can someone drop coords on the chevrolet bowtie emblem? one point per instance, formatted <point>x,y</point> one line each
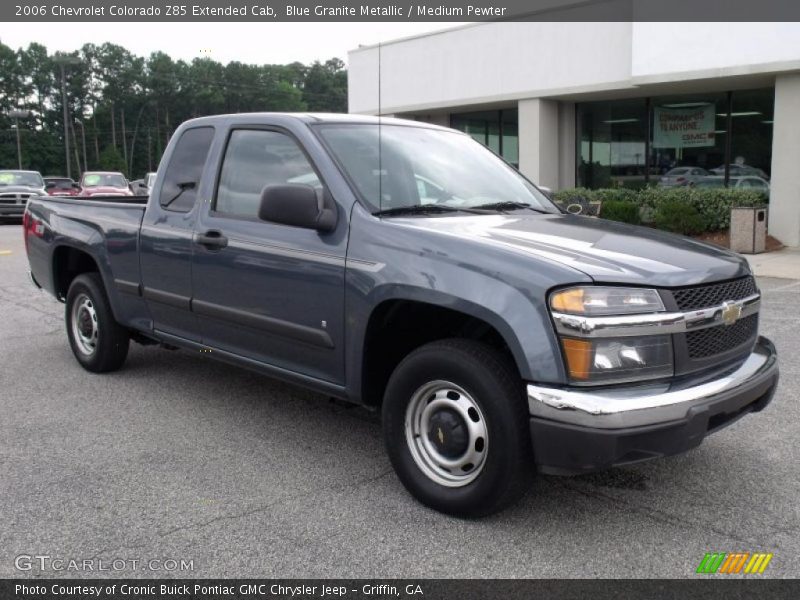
<point>731,311</point>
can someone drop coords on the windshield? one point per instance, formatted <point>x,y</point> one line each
<point>61,184</point>
<point>104,180</point>
<point>27,178</point>
<point>417,166</point>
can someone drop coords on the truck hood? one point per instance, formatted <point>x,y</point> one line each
<point>604,250</point>
<point>21,189</point>
<point>106,190</point>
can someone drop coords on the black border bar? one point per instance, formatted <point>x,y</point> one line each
<point>710,587</point>
<point>398,10</point>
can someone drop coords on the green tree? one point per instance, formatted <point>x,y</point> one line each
<point>325,86</point>
<point>129,106</point>
<point>112,160</point>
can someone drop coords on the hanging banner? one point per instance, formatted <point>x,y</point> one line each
<point>684,127</point>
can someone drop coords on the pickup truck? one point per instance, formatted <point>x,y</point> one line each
<point>404,267</point>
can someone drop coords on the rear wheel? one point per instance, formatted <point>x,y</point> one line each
<point>456,428</point>
<point>99,343</point>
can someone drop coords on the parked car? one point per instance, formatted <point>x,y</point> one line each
<point>492,331</point>
<point>750,182</point>
<point>104,183</point>
<point>16,187</point>
<point>61,186</point>
<point>138,187</point>
<point>682,176</point>
<point>737,170</point>
<point>149,182</point>
<point>143,186</point>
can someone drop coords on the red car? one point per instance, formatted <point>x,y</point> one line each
<point>104,183</point>
<point>61,186</point>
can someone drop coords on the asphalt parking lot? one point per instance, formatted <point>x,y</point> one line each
<point>179,457</point>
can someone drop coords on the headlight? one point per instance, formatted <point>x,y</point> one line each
<point>590,300</point>
<point>615,360</point>
<point>594,357</point>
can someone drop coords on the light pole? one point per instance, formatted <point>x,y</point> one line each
<point>17,115</point>
<point>83,139</point>
<point>62,60</point>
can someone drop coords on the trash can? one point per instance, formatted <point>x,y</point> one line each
<point>748,229</point>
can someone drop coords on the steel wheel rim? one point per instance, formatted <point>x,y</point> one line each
<point>438,397</point>
<point>85,329</point>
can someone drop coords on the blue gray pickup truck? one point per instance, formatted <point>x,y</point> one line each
<point>404,267</point>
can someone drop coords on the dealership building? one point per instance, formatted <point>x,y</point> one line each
<point>607,104</point>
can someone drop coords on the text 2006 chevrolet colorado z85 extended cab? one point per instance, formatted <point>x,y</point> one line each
<point>403,266</point>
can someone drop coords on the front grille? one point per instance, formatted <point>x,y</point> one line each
<point>714,294</point>
<point>9,198</point>
<point>722,338</point>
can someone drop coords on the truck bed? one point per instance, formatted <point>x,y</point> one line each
<point>106,228</point>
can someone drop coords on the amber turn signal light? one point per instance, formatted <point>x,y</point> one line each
<point>579,357</point>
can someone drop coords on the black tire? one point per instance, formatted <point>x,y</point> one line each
<point>111,340</point>
<point>491,383</point>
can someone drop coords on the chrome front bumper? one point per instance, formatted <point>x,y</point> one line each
<point>654,404</point>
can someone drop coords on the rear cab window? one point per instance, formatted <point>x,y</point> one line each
<point>185,168</point>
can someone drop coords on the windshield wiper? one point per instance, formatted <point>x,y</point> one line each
<point>421,209</point>
<point>509,206</point>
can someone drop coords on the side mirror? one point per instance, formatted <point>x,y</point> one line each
<point>298,205</point>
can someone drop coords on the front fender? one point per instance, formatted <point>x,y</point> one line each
<point>528,335</point>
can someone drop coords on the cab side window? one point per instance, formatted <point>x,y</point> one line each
<point>185,169</point>
<point>253,160</point>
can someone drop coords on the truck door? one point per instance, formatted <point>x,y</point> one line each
<point>166,237</point>
<point>266,291</point>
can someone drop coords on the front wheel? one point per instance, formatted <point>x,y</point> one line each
<point>99,343</point>
<point>456,428</point>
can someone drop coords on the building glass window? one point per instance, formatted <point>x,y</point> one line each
<point>674,140</point>
<point>495,129</point>
<point>612,143</point>
<point>751,120</point>
<point>688,133</point>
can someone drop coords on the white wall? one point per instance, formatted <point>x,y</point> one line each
<point>496,62</point>
<point>489,62</point>
<point>784,203</point>
<point>667,51</point>
<point>538,141</point>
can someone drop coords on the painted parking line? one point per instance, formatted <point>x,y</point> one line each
<point>5,252</point>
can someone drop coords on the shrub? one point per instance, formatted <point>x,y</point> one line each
<point>615,194</point>
<point>621,210</point>
<point>571,195</point>
<point>679,215</point>
<point>712,204</point>
<point>715,204</point>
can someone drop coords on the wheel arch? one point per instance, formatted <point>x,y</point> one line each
<point>67,263</point>
<point>400,323</point>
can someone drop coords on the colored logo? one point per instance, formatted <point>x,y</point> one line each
<point>731,312</point>
<point>731,563</point>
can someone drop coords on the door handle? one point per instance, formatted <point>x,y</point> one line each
<point>212,239</point>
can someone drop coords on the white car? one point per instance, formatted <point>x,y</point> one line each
<point>737,170</point>
<point>752,182</point>
<point>681,176</point>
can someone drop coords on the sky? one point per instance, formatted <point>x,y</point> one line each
<point>257,43</point>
